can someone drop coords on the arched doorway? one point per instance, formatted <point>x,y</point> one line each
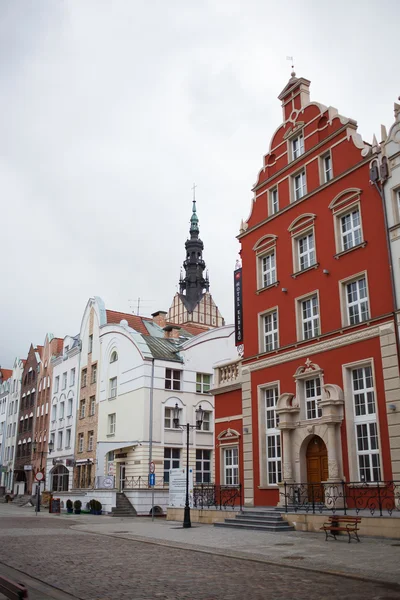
<point>317,468</point>
<point>59,479</point>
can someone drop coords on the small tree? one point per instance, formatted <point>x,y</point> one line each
<point>69,504</point>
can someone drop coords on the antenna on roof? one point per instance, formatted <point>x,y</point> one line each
<point>139,303</point>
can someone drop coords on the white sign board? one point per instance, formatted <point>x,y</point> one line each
<point>177,488</point>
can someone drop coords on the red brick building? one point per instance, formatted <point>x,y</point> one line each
<point>309,400</point>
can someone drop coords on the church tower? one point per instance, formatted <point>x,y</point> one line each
<point>194,303</point>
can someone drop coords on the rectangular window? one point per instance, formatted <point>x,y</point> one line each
<point>274,459</point>
<point>357,301</point>
<point>203,383</point>
<point>72,377</point>
<point>90,344</point>
<point>62,409</point>
<point>297,146</point>
<point>351,229</point>
<point>60,440</point>
<point>84,378</point>
<point>268,269</point>
<point>92,406</point>
<point>90,441</point>
<point>69,407</point>
<point>299,185</point>
<point>80,442</point>
<point>206,423</point>
<point>203,466</point>
<point>53,412</point>
<point>274,201</point>
<point>113,388</point>
<point>327,167</point>
<point>366,427</point>
<point>310,317</point>
<point>112,421</point>
<point>270,322</point>
<point>231,466</point>
<point>172,460</point>
<point>64,381</point>
<point>94,374</point>
<point>169,418</point>
<point>82,409</point>
<point>313,397</point>
<point>172,379</point>
<point>67,438</point>
<point>56,384</point>
<point>306,251</point>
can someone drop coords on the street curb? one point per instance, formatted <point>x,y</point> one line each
<point>244,556</point>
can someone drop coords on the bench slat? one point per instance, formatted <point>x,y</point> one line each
<point>12,591</point>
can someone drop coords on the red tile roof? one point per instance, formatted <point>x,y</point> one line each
<point>192,328</point>
<point>134,321</point>
<point>5,374</point>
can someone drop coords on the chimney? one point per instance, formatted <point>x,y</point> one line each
<point>159,318</point>
<point>171,332</point>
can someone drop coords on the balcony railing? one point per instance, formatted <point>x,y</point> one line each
<point>379,498</point>
<point>228,374</point>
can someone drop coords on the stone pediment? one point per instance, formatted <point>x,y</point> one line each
<point>228,435</point>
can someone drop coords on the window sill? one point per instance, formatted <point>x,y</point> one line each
<point>204,431</point>
<point>267,287</point>
<point>170,390</point>
<point>340,254</point>
<point>272,486</point>
<point>204,393</point>
<point>110,435</point>
<point>297,273</point>
<point>172,428</point>
<point>68,447</point>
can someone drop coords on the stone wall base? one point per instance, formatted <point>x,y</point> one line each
<point>387,527</point>
<point>141,499</point>
<point>207,516</point>
<point>107,498</point>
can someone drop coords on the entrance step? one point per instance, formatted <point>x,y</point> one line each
<point>123,507</point>
<point>261,520</point>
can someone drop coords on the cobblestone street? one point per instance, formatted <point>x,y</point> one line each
<point>97,567</point>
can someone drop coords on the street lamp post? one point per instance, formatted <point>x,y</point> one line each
<point>199,419</point>
<point>42,453</point>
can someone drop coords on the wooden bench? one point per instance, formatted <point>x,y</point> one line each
<point>338,523</point>
<point>11,590</point>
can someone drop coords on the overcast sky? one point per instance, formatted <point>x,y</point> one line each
<point>110,110</point>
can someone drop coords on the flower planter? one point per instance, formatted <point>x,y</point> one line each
<point>77,511</point>
<point>70,511</point>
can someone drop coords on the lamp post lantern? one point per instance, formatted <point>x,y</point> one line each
<point>199,420</point>
<point>42,453</point>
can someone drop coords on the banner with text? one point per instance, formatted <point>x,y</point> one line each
<point>238,307</point>
<point>177,488</point>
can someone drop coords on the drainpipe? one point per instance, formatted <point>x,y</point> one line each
<point>151,433</point>
<point>381,192</point>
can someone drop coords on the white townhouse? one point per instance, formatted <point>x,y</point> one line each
<point>9,411</point>
<point>63,414</point>
<point>143,379</point>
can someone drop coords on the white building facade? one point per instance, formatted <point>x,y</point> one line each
<point>10,426</point>
<point>4,402</point>
<point>63,415</point>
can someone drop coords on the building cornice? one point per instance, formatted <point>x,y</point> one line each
<point>225,389</point>
<point>325,346</point>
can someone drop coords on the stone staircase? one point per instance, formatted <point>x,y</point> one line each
<point>269,520</point>
<point>124,508</point>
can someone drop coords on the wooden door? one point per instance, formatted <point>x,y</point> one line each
<point>317,468</point>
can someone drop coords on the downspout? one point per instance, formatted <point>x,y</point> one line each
<point>151,433</point>
<point>381,192</point>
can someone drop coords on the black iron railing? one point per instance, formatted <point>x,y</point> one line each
<point>208,495</point>
<point>378,497</point>
<point>131,483</point>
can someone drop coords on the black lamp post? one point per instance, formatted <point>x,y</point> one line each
<point>42,453</point>
<point>188,427</point>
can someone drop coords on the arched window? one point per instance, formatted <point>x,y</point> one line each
<point>59,479</point>
<point>114,357</point>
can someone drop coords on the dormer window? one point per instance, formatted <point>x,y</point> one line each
<point>297,146</point>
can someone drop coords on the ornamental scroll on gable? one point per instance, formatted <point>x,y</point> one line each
<point>228,435</point>
<point>307,370</point>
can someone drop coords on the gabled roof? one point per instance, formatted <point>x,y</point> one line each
<point>163,349</point>
<point>5,374</point>
<point>134,321</point>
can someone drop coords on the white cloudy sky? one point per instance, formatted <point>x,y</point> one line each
<point>110,109</point>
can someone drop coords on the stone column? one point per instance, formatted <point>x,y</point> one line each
<point>287,456</point>
<point>333,465</point>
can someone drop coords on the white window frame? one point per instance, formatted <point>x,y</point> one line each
<point>299,185</point>
<point>90,440</point>
<point>93,374</point>
<point>273,201</point>
<point>69,407</point>
<point>326,169</point>
<point>297,145</point>
<point>113,388</point>
<point>346,306</point>
<point>56,384</point>
<point>92,406</point>
<point>269,340</point>
<point>366,422</point>
<point>312,398</point>
<point>353,236</point>
<point>206,424</point>
<point>203,383</point>
<point>169,417</point>
<point>82,408</point>
<point>80,442</point>
<point>306,256</point>
<point>268,271</point>
<point>230,464</point>
<point>273,437</point>
<point>173,379</point>
<point>112,423</point>
<point>72,377</point>
<point>90,344</point>
<point>64,381</point>
<point>310,326</point>
<point>171,462</point>
<point>62,410</point>
<point>60,440</point>
<point>203,474</point>
<point>68,438</point>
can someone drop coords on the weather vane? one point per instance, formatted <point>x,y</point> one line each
<point>291,60</point>
<point>194,192</point>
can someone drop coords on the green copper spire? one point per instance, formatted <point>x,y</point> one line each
<point>194,220</point>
